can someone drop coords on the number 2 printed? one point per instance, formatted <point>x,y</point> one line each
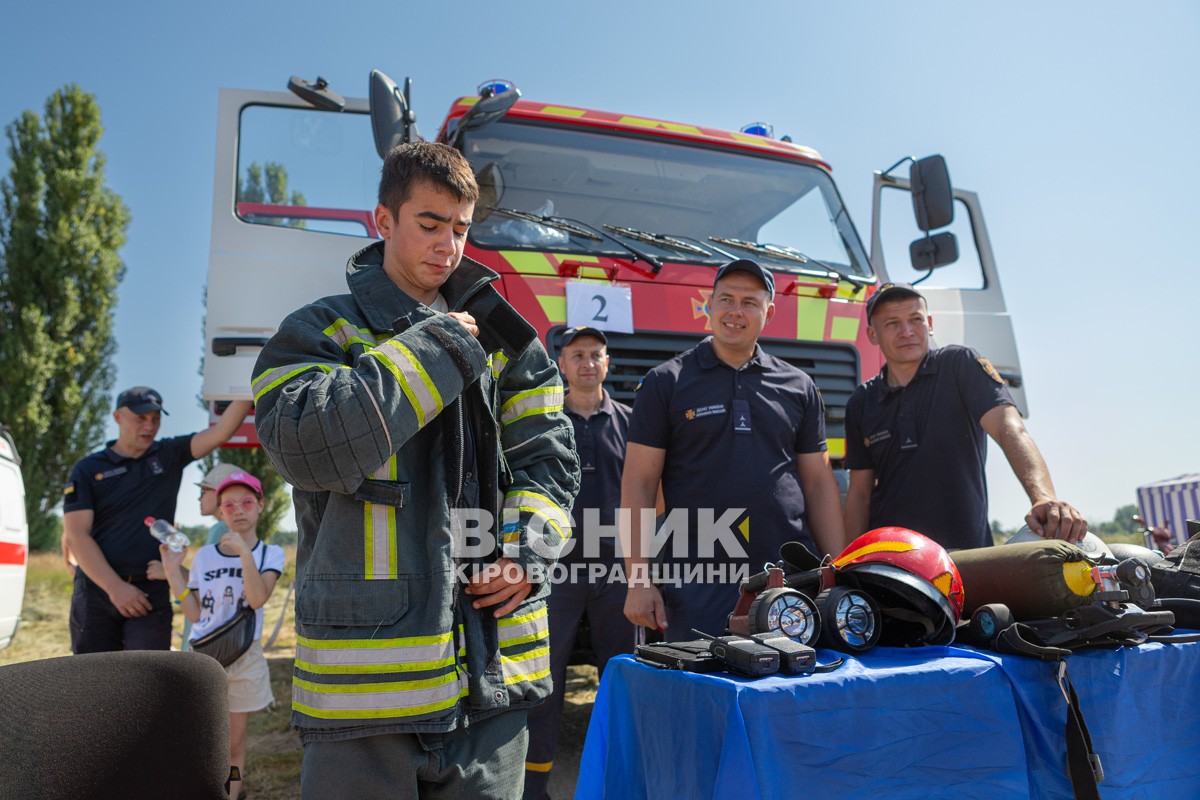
<point>600,316</point>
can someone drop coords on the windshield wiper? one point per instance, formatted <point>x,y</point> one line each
<point>664,240</point>
<point>554,222</point>
<point>792,254</point>
<point>579,228</point>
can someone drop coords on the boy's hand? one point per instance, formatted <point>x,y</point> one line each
<point>503,581</point>
<point>155,571</point>
<point>466,320</point>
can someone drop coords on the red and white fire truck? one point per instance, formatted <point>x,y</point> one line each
<point>593,218</point>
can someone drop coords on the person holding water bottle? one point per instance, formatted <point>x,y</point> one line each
<point>245,569</point>
<point>208,507</point>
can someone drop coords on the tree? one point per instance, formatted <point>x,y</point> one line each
<point>269,184</point>
<point>1000,534</point>
<point>60,232</point>
<point>1120,528</point>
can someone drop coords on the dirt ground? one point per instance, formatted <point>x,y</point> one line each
<point>582,683</point>
<point>273,750</point>
<point>274,753</point>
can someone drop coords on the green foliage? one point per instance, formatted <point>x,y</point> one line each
<point>196,533</point>
<point>285,537</point>
<point>1000,534</point>
<point>254,460</point>
<point>60,233</point>
<point>1121,527</point>
<point>269,184</point>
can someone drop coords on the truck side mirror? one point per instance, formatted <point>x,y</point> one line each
<point>316,93</point>
<point>934,251</point>
<point>392,116</point>
<point>486,111</point>
<point>491,189</point>
<point>933,199</point>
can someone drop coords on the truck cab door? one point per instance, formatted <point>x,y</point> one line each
<point>292,198</point>
<point>964,298</point>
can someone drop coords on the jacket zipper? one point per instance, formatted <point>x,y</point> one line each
<point>461,447</point>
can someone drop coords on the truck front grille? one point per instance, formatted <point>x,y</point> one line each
<point>834,367</point>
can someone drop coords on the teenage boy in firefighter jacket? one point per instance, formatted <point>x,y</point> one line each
<point>413,434</point>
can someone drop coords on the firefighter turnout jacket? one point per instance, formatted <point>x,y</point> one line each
<point>409,448</point>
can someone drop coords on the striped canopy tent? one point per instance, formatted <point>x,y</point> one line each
<point>1171,503</point>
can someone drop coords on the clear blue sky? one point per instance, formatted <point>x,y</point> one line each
<point>1075,121</point>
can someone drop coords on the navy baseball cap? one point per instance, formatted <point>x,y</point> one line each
<point>751,267</point>
<point>891,291</point>
<point>571,334</point>
<point>140,400</point>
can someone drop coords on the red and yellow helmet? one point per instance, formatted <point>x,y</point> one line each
<point>917,586</point>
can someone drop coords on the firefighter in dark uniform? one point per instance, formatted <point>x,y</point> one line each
<point>737,438</point>
<point>916,437</point>
<point>601,425</point>
<point>106,499</point>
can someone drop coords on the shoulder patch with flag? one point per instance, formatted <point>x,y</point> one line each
<point>989,369</point>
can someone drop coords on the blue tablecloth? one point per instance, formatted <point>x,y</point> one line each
<point>929,722</point>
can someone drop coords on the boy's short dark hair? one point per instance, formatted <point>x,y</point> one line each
<point>437,164</point>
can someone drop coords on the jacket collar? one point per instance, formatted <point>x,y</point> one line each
<point>383,302</point>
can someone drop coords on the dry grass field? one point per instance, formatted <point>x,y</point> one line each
<point>273,749</point>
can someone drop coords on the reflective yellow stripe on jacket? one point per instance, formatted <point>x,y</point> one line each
<point>542,400</point>
<point>273,378</point>
<point>537,506</point>
<point>347,335</point>
<point>525,647</point>
<point>379,530</point>
<point>414,381</point>
<point>346,678</point>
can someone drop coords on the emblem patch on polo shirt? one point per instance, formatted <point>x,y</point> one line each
<point>69,489</point>
<point>112,473</point>
<point>703,411</point>
<point>877,437</point>
<point>989,369</point>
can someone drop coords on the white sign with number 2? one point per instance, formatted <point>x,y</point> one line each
<point>599,305</point>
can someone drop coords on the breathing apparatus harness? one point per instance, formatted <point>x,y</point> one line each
<point>1065,601</point>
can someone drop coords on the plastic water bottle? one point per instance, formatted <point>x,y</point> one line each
<point>168,534</point>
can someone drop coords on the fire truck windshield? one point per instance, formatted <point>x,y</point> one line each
<point>676,201</point>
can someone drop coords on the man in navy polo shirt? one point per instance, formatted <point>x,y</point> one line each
<point>601,426</point>
<point>106,499</point>
<point>916,437</point>
<point>737,438</point>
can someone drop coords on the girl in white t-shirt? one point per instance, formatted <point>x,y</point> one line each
<point>239,570</point>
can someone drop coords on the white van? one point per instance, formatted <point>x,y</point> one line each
<point>14,539</point>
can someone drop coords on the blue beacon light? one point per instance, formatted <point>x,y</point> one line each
<point>759,129</point>
<point>494,87</point>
